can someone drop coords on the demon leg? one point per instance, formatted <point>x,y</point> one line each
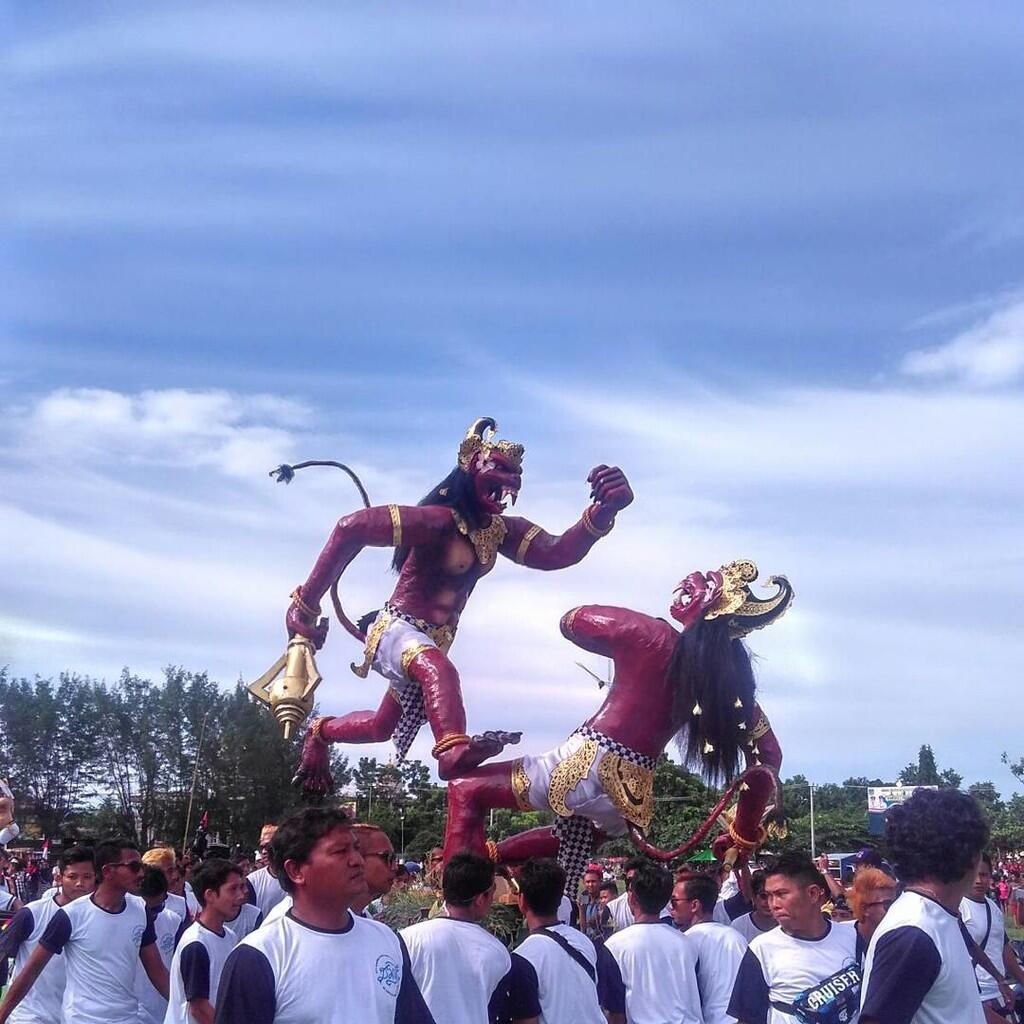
<point>470,797</point>
<point>456,752</point>
<point>314,772</point>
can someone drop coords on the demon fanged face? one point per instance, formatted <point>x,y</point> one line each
<point>496,481</point>
<point>694,597</point>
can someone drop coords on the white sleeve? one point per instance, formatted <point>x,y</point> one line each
<point>12,831</point>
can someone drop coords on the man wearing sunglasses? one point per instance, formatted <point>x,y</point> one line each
<point>263,887</point>
<point>380,866</point>
<point>101,938</point>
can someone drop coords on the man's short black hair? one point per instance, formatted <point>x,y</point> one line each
<point>798,867</point>
<point>109,852</point>
<point>297,836</point>
<point>652,887</point>
<point>154,882</point>
<point>937,834</point>
<point>633,863</point>
<point>465,877</point>
<point>703,888</point>
<point>609,887</point>
<point>75,855</point>
<point>542,883</point>
<point>212,874</point>
<point>757,880</point>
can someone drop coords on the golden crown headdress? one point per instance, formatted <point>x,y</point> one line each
<point>745,611</point>
<point>480,438</point>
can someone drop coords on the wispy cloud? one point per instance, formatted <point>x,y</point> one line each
<point>990,353</point>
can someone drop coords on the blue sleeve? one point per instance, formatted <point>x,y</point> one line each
<point>247,993</point>
<point>195,971</point>
<point>182,928</point>
<point>410,1007</point>
<point>149,935</point>
<point>523,990</point>
<point>611,991</point>
<point>252,893</point>
<point>904,967</point>
<point>57,932</point>
<point>750,1001</point>
<point>18,929</point>
<point>737,905</point>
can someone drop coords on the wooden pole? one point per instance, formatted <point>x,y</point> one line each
<point>195,775</point>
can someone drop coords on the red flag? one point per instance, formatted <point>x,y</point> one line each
<point>204,821</point>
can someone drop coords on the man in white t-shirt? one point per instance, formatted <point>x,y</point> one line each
<point>164,858</point>
<point>807,967</point>
<point>319,962</point>
<point>986,926</point>
<point>918,969</point>
<point>760,918</point>
<point>206,943</point>
<point>572,978</point>
<point>464,972</point>
<point>20,938</point>
<point>619,907</point>
<point>718,949</point>
<point>168,926</point>
<point>100,937</point>
<point>657,964</point>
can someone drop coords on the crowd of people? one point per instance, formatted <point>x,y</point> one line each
<point>124,937</point>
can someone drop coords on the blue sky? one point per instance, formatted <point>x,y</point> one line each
<point>770,262</point>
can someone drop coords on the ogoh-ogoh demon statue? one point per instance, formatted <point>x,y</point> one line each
<point>696,685</point>
<point>443,546</point>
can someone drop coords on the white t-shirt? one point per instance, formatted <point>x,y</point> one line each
<point>748,928</point>
<point>152,1005</point>
<point>277,910</point>
<point>7,898</point>
<point>249,919</point>
<point>658,969</point>
<point>989,932</point>
<point>622,916</point>
<point>818,975</point>
<point>718,950</point>
<point>178,904</point>
<point>918,968</point>
<point>290,973</point>
<point>191,903</point>
<point>266,890</point>
<point>42,1002</point>
<point>565,910</point>
<point>196,969</point>
<point>101,950</point>
<point>564,990</point>
<point>458,966</point>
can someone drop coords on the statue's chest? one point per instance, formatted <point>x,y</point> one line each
<point>470,551</point>
<point>458,558</point>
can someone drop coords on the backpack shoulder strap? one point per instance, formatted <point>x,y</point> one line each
<point>571,950</point>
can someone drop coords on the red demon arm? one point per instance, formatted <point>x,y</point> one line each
<point>602,629</point>
<point>753,800</point>
<point>380,526</point>
<point>531,546</point>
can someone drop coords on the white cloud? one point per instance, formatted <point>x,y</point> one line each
<point>988,354</point>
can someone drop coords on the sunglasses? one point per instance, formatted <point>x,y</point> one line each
<point>388,858</point>
<point>131,865</point>
<point>880,903</point>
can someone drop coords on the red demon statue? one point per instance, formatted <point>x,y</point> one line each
<point>443,546</point>
<point>696,685</point>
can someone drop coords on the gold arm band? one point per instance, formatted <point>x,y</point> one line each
<point>453,739</point>
<point>747,844</point>
<point>492,850</point>
<point>396,526</point>
<point>525,543</point>
<point>410,654</point>
<point>318,724</point>
<point>570,619</point>
<point>761,728</point>
<point>306,609</point>
<point>592,528</point>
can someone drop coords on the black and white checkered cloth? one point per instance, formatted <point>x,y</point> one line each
<point>615,747</point>
<point>414,717</point>
<point>575,837</point>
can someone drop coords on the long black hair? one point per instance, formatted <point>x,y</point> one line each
<point>454,491</point>
<point>713,693</point>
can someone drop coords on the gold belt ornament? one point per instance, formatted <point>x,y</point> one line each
<point>630,787</point>
<point>521,785</point>
<point>443,637</point>
<point>568,774</point>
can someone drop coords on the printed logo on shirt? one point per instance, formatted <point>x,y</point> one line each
<point>137,932</point>
<point>836,1000</point>
<point>389,975</point>
<point>166,944</point>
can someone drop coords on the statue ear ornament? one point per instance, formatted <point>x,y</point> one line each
<point>745,612</point>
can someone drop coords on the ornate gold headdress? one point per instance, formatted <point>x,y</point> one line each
<point>746,612</point>
<point>480,438</point>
